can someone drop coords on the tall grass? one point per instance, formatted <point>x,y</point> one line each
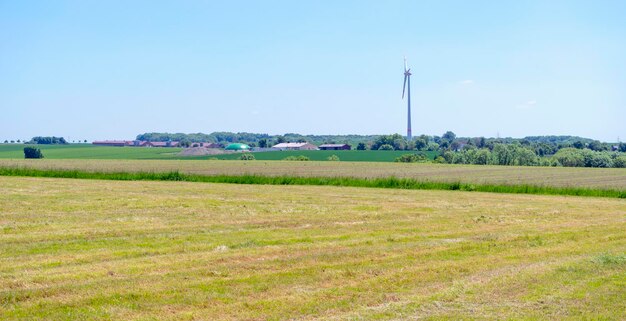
<point>389,182</point>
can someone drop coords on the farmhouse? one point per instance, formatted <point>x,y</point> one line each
<point>335,147</point>
<point>295,146</point>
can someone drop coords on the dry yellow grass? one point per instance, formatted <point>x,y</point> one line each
<point>88,249</point>
<point>606,178</point>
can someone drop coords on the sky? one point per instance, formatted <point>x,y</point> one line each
<point>114,69</point>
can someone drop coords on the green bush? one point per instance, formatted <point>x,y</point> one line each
<point>570,157</point>
<point>619,161</point>
<point>333,158</point>
<point>296,158</point>
<point>439,160</point>
<point>32,152</point>
<point>247,157</point>
<point>411,158</point>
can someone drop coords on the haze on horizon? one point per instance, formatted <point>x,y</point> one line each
<point>114,69</point>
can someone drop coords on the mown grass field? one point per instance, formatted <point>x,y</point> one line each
<point>604,178</point>
<point>87,151</point>
<point>88,249</point>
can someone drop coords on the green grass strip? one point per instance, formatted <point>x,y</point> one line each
<point>389,182</point>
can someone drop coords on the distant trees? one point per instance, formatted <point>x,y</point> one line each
<point>48,140</point>
<point>263,143</point>
<point>361,146</point>
<point>385,147</point>
<point>449,136</point>
<point>395,141</point>
<point>32,152</point>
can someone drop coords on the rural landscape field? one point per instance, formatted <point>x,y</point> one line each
<point>312,160</point>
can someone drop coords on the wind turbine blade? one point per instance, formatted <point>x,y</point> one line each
<point>404,63</point>
<point>404,86</point>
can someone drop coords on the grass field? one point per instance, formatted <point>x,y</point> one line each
<point>87,151</point>
<point>88,249</point>
<point>604,178</point>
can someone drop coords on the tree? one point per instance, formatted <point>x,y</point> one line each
<point>570,157</point>
<point>481,143</point>
<point>85,141</point>
<point>263,143</point>
<point>596,145</point>
<point>449,136</point>
<point>48,140</point>
<point>32,152</point>
<point>280,139</point>
<point>395,141</point>
<point>333,158</point>
<point>420,143</point>
<point>361,146</point>
<point>385,147</point>
<point>578,145</point>
<point>6,141</point>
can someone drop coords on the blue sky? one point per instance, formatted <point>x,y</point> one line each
<point>114,69</point>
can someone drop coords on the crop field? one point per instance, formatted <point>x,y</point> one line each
<point>87,151</point>
<point>602,178</point>
<point>89,249</point>
<point>322,155</point>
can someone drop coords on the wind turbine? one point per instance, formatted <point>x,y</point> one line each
<point>407,80</point>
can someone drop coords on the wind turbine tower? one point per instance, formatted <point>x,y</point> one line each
<point>407,87</point>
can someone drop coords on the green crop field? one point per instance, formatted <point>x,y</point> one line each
<point>576,177</point>
<point>87,151</point>
<point>322,155</point>
<point>110,250</point>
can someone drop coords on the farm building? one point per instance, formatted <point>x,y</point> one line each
<point>135,143</point>
<point>238,147</point>
<point>118,143</point>
<point>295,146</point>
<point>160,144</point>
<point>335,147</point>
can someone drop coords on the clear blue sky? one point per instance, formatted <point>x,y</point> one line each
<point>113,69</point>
